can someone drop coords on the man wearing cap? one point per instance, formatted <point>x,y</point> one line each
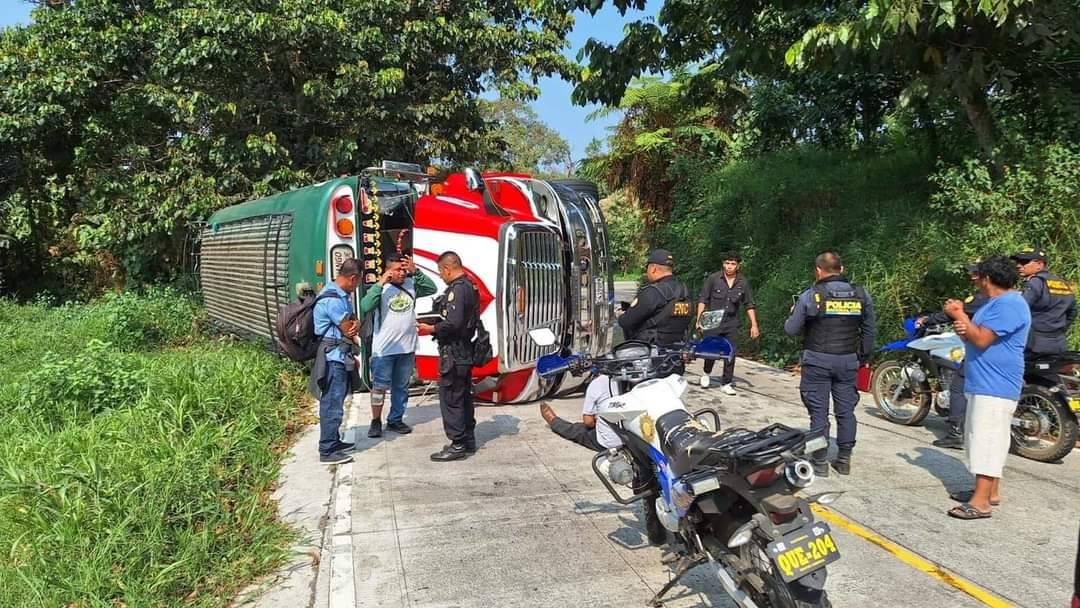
<point>390,306</point>
<point>957,400</point>
<point>836,318</point>
<point>1052,301</point>
<point>660,314</point>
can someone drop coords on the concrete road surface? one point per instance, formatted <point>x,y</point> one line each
<point>524,523</point>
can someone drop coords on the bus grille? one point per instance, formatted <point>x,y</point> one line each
<point>534,295</point>
<point>243,270</point>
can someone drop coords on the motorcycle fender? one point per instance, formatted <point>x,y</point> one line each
<point>815,580</point>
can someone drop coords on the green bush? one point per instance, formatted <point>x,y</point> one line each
<point>903,228</point>
<point>137,478</point>
<point>626,228</point>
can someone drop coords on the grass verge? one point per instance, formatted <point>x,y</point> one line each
<point>137,458</point>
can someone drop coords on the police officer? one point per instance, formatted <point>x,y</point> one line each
<point>661,312</point>
<point>954,439</point>
<point>459,307</point>
<point>836,318</point>
<point>1052,301</point>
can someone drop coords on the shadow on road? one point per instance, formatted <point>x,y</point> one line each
<point>946,468</point>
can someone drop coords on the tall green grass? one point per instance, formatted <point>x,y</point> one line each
<point>136,459</point>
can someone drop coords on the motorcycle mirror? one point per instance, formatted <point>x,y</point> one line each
<point>714,347</point>
<point>825,498</point>
<point>542,336</point>
<point>473,180</point>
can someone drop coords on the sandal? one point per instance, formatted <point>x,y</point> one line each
<point>966,511</point>
<point>965,496</point>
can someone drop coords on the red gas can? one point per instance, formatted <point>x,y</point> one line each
<point>862,380</point>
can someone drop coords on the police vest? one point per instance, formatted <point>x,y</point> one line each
<point>668,325</point>
<point>1051,318</point>
<point>835,328</point>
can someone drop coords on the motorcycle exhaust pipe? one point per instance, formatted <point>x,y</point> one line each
<point>799,474</point>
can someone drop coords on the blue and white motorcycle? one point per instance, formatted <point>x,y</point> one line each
<point>917,375</point>
<point>728,499</point>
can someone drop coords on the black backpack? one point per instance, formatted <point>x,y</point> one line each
<point>294,327</point>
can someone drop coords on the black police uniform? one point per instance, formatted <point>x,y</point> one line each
<point>957,398</point>
<point>460,309</point>
<point>836,318</point>
<point>659,315</point>
<point>1053,308</point>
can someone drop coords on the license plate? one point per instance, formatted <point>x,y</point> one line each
<point>1074,403</point>
<point>804,551</point>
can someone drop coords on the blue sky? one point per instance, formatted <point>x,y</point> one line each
<point>554,106</point>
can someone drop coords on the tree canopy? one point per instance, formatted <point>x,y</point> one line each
<point>849,62</point>
<point>121,122</point>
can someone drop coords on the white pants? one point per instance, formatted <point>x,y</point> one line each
<point>987,433</point>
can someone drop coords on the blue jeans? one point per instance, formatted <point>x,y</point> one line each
<point>332,406</point>
<point>392,373</point>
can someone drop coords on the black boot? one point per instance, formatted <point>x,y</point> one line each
<point>954,440</point>
<point>842,464</point>
<point>653,528</point>
<point>821,463</point>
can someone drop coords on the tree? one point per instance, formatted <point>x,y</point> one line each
<point>126,121</point>
<point>969,50</point>
<point>663,120</point>
<point>522,142</point>
<point>856,60</point>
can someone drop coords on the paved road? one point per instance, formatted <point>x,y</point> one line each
<point>524,523</point>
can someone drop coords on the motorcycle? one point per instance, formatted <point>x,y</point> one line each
<point>906,387</point>
<point>728,499</point>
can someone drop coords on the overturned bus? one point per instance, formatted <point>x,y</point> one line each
<point>537,251</point>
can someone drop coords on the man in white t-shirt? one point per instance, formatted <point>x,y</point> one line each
<point>592,432</point>
<point>392,304</point>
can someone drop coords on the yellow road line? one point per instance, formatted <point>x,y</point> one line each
<point>914,560</point>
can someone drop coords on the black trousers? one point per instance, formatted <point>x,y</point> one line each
<point>957,400</point>
<point>816,385</point>
<point>456,403</point>
<point>729,364</point>
<point>578,433</point>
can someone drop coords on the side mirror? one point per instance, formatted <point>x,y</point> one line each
<point>473,180</point>
<point>542,336</point>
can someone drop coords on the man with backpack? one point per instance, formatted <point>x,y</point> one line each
<point>389,307</point>
<point>335,359</point>
<point>459,309</point>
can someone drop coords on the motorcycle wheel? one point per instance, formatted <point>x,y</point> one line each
<point>1044,428</point>
<point>778,594</point>
<point>911,409</point>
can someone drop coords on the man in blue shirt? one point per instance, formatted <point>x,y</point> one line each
<point>836,318</point>
<point>335,363</point>
<point>994,376</point>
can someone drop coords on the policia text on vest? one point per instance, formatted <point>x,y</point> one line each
<point>836,320</point>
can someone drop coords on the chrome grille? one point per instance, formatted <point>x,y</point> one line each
<point>533,270</point>
<point>243,270</point>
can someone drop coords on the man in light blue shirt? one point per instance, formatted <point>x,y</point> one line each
<point>335,321</point>
<point>994,375</point>
<point>392,301</point>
